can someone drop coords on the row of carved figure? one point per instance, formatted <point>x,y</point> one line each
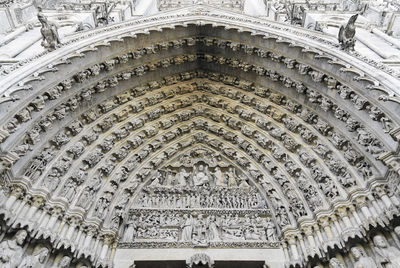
<point>62,110</point>
<point>199,176</point>
<point>49,224</point>
<point>364,209</point>
<point>13,254</point>
<point>202,198</point>
<point>159,226</point>
<point>345,114</point>
<point>360,102</point>
<point>80,174</point>
<point>334,160</point>
<point>373,145</point>
<point>107,201</point>
<point>381,254</point>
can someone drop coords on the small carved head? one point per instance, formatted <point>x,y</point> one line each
<point>20,236</point>
<point>41,17</point>
<point>65,261</point>
<point>335,263</point>
<point>379,241</point>
<point>357,253</point>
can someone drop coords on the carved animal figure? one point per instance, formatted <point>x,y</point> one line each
<point>347,33</point>
<point>49,33</point>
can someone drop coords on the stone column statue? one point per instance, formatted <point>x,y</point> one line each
<point>11,251</point>
<point>37,260</point>
<point>361,260</point>
<point>387,256</point>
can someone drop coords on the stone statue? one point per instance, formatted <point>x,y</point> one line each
<point>387,256</point>
<point>170,178</point>
<point>199,230</point>
<point>270,229</point>
<point>213,233</point>
<point>37,260</point>
<point>201,176</point>
<point>64,262</point>
<point>182,177</point>
<point>360,260</point>
<point>87,195</point>
<point>69,190</point>
<point>347,33</point>
<point>130,231</point>
<point>11,251</point>
<point>49,33</point>
<point>187,228</point>
<point>219,178</point>
<point>231,176</point>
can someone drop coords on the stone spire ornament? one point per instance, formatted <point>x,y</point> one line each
<point>347,33</point>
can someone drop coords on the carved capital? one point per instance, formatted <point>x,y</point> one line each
<point>342,212</point>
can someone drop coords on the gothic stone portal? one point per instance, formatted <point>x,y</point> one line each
<point>199,203</point>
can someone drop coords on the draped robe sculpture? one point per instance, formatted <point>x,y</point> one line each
<point>11,251</point>
<point>36,260</point>
<point>388,256</point>
<point>362,261</point>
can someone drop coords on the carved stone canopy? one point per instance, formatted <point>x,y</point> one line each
<point>200,259</point>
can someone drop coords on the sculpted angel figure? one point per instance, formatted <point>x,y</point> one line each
<point>219,178</point>
<point>11,251</point>
<point>182,177</point>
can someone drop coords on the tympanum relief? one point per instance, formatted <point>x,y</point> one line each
<point>199,199</point>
